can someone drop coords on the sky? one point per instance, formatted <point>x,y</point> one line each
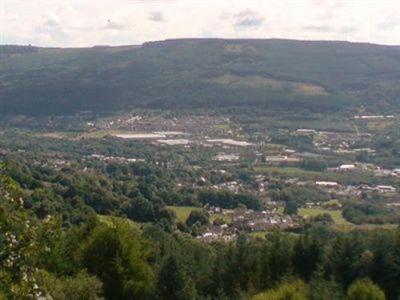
<point>71,23</point>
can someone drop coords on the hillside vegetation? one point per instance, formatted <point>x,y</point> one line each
<point>198,73</point>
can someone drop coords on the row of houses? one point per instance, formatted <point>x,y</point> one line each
<point>233,186</point>
<point>333,185</point>
<point>275,159</point>
<point>118,159</point>
<point>145,123</point>
<point>246,220</point>
<point>214,233</point>
<point>364,167</point>
<point>250,220</point>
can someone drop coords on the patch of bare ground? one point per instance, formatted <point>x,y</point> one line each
<point>300,88</point>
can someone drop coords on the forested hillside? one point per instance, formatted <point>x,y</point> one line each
<point>198,73</point>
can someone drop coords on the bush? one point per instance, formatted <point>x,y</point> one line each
<point>81,286</point>
<point>197,216</point>
<point>296,290</point>
<point>364,289</point>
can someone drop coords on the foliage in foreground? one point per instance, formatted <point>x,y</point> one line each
<point>364,289</point>
<point>41,258</point>
<point>296,290</point>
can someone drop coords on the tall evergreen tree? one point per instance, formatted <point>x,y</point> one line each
<point>173,283</point>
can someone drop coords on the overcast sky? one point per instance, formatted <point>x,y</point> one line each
<point>72,23</point>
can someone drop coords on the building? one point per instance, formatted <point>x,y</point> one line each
<point>347,167</point>
<point>227,157</point>
<point>250,220</point>
<point>327,183</point>
<point>306,131</point>
<point>3,152</point>
<point>281,158</point>
<point>385,189</point>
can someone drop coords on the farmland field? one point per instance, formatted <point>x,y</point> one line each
<point>112,220</point>
<point>312,212</point>
<point>183,212</point>
<point>290,172</point>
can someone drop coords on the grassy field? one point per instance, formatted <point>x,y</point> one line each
<point>263,234</point>
<point>221,126</point>
<point>259,234</point>
<point>312,212</point>
<point>57,135</point>
<point>291,172</point>
<point>226,218</point>
<point>365,227</point>
<point>335,214</point>
<point>183,212</point>
<point>111,220</point>
<point>98,134</point>
<point>340,223</point>
<point>381,125</point>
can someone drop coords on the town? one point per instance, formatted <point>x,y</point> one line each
<point>322,171</point>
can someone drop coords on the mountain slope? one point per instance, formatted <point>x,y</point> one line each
<point>187,73</point>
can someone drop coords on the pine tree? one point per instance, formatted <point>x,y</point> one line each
<point>172,281</point>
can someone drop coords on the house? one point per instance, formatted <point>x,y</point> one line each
<point>327,183</point>
<point>385,189</point>
<point>214,210</point>
<point>396,172</point>
<point>115,159</point>
<point>346,167</point>
<point>233,186</point>
<point>290,151</point>
<point>230,142</point>
<point>310,205</point>
<point>306,131</point>
<point>211,233</point>
<point>374,117</point>
<point>227,157</point>
<point>276,158</point>
<point>393,204</point>
<point>282,158</point>
<point>250,220</point>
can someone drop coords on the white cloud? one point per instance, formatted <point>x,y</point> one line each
<point>89,22</point>
<point>156,16</point>
<point>247,18</point>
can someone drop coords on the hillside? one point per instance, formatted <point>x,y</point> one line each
<point>197,73</point>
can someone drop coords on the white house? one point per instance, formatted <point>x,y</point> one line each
<point>385,188</point>
<point>327,183</point>
<point>347,167</point>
